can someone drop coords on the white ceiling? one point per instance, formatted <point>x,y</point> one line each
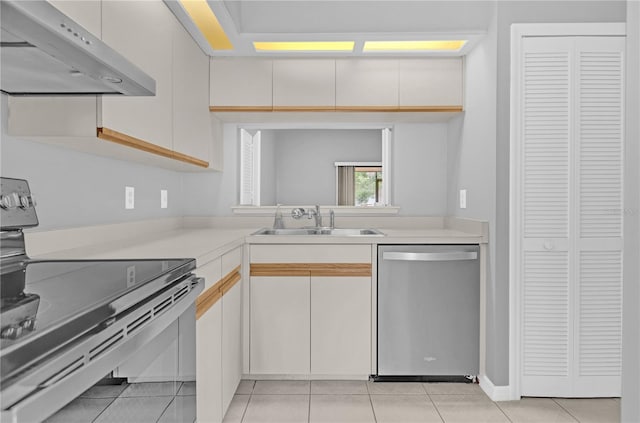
<point>246,21</point>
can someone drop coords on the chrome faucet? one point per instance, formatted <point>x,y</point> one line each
<point>278,222</point>
<point>332,219</point>
<point>297,213</point>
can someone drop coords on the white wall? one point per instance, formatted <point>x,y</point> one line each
<point>471,163</point>
<point>305,170</point>
<point>76,189</point>
<point>631,276</point>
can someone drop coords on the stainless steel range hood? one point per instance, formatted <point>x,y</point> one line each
<point>44,52</point>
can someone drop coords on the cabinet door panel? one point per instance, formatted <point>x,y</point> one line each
<point>191,122</point>
<point>280,325</point>
<point>241,82</point>
<point>340,325</point>
<point>208,365</point>
<point>431,82</point>
<point>304,83</point>
<point>231,344</point>
<point>139,31</point>
<point>367,82</point>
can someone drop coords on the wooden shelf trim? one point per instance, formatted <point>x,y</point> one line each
<point>386,109</point>
<point>208,298</point>
<point>129,141</point>
<point>310,269</point>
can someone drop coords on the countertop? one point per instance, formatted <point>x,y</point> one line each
<point>206,244</point>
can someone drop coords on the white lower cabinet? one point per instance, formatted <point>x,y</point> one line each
<point>340,325</point>
<point>280,325</point>
<point>231,343</point>
<point>218,337</point>
<point>209,407</point>
<point>310,308</point>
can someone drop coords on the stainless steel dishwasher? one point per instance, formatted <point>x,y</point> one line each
<point>428,312</point>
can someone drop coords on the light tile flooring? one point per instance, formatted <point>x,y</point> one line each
<point>157,402</point>
<point>367,402</point>
<point>331,402</point>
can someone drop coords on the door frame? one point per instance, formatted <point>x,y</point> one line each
<point>518,32</point>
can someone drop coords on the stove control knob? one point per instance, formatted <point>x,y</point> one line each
<point>28,324</point>
<point>11,332</point>
<point>9,201</point>
<point>27,201</point>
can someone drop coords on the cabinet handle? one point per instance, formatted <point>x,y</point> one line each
<point>448,256</point>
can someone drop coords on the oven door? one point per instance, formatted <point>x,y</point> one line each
<point>135,345</point>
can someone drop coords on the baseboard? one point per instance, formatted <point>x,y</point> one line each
<point>496,393</point>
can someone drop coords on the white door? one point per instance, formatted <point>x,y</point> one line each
<point>569,207</point>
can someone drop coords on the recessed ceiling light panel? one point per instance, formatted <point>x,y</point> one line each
<point>302,46</point>
<point>206,21</point>
<point>406,46</point>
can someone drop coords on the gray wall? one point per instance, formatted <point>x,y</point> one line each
<point>471,165</point>
<point>419,160</point>
<point>304,164</point>
<point>510,12</point>
<point>77,189</point>
<point>631,275</point>
<point>419,168</point>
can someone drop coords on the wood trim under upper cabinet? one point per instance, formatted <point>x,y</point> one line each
<point>386,109</point>
<point>304,108</point>
<point>310,269</point>
<point>129,141</point>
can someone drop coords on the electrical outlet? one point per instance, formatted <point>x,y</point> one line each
<point>131,276</point>
<point>129,197</point>
<point>164,198</point>
<point>463,198</point>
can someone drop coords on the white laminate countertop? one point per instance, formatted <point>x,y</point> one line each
<point>207,244</point>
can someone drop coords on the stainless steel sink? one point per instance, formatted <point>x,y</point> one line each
<point>320,231</point>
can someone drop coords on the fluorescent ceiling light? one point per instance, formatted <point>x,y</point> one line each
<point>304,45</point>
<point>206,21</point>
<point>434,45</point>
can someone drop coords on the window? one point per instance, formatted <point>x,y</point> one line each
<point>359,184</point>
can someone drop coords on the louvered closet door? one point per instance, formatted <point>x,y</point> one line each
<point>545,186</point>
<point>571,202</point>
<point>598,222</point>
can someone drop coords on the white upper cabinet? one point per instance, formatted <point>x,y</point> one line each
<point>85,12</point>
<point>366,83</point>
<point>244,83</point>
<point>304,83</point>
<point>140,31</point>
<point>431,82</point>
<point>172,129</point>
<point>191,120</point>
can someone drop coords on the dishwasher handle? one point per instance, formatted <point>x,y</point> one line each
<point>448,256</point>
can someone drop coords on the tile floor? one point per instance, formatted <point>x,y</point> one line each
<point>331,402</point>
<point>157,402</point>
<point>366,402</point>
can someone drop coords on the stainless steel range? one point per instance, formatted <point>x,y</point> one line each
<point>66,324</point>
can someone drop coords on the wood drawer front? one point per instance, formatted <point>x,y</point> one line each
<point>311,269</point>
<point>311,253</point>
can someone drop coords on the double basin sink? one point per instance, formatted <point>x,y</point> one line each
<point>320,231</point>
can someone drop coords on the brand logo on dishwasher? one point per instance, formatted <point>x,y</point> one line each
<point>429,359</point>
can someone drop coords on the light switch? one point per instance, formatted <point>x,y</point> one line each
<point>463,198</point>
<point>164,198</point>
<point>129,196</point>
